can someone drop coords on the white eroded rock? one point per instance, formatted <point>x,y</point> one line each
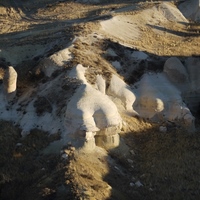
<point>54,62</point>
<point>101,84</point>
<point>120,89</point>
<point>90,110</point>
<point>176,72</point>
<point>158,99</point>
<point>78,72</point>
<point>10,83</point>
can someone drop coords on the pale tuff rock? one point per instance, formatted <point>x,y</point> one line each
<point>78,72</point>
<point>176,73</point>
<point>108,137</point>
<point>120,89</point>
<point>107,141</point>
<point>150,100</point>
<point>89,110</point>
<point>54,62</point>
<point>190,9</point>
<point>101,84</point>
<point>10,83</point>
<point>159,100</point>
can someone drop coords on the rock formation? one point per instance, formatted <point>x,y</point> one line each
<point>90,111</point>
<point>10,83</point>
<point>54,62</point>
<point>118,88</point>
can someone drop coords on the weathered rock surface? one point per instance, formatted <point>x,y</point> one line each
<point>118,88</point>
<point>89,110</point>
<point>54,62</point>
<point>10,83</point>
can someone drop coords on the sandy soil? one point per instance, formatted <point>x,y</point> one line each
<point>147,164</point>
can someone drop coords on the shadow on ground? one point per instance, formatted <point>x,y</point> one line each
<point>158,166</point>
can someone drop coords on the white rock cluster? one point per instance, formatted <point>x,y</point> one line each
<point>160,96</point>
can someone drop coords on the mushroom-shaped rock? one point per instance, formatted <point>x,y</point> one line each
<point>120,89</point>
<point>176,72</point>
<point>10,83</point>
<point>89,110</point>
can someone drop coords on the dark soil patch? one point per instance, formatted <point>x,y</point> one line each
<point>25,173</point>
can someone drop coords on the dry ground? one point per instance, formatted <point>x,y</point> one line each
<point>147,164</point>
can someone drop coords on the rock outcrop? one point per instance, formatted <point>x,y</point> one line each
<point>90,111</point>
<point>160,96</point>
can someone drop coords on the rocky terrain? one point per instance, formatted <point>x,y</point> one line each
<point>99,99</point>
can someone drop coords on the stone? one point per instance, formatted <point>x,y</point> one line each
<point>101,84</point>
<point>163,129</point>
<point>118,88</point>
<point>107,141</point>
<point>176,72</point>
<point>10,83</point>
<point>158,99</point>
<point>138,184</point>
<point>54,62</point>
<point>89,111</point>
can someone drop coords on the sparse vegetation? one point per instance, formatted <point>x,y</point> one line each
<point>148,164</point>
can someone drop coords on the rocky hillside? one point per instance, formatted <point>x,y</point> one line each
<point>103,97</point>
